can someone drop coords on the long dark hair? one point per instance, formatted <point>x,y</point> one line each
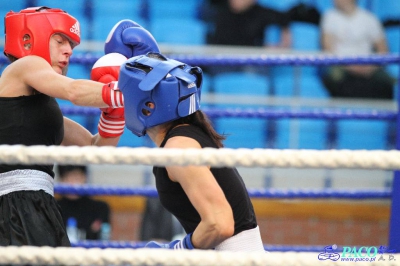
<point>202,121</point>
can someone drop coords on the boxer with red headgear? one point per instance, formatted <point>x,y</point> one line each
<point>39,42</point>
<point>28,32</point>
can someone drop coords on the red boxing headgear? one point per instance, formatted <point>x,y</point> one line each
<point>28,32</point>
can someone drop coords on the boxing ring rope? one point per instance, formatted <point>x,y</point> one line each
<point>102,254</point>
<point>256,60</point>
<point>97,256</point>
<point>150,191</point>
<point>267,113</point>
<point>350,159</point>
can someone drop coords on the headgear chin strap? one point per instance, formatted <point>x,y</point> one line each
<point>28,32</point>
<point>158,90</point>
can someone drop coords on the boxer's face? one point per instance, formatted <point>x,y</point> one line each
<point>60,53</point>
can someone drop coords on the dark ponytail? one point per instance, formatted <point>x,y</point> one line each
<point>202,121</point>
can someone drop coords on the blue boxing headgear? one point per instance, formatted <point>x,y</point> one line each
<point>158,90</point>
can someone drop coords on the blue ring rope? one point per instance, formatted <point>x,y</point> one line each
<point>139,244</point>
<point>266,113</point>
<point>259,60</point>
<point>356,194</point>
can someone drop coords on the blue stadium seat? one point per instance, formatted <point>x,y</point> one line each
<point>102,26</point>
<point>173,9</point>
<point>305,36</point>
<point>362,134</point>
<point>207,83</point>
<point>15,6</point>
<point>272,35</point>
<point>281,5</point>
<point>306,84</point>
<point>284,86</point>
<point>393,39</point>
<point>125,9</point>
<point>301,134</point>
<point>76,8</point>
<point>107,13</point>
<point>241,83</point>
<point>242,132</point>
<point>283,134</point>
<point>128,139</point>
<point>312,134</point>
<point>323,5</point>
<point>182,31</point>
<point>79,71</point>
<point>311,86</point>
<point>389,9</point>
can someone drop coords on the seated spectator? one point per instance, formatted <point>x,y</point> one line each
<point>158,223</point>
<point>91,215</point>
<point>243,23</point>
<point>349,30</point>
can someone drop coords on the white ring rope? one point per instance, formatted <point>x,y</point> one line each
<point>361,159</point>
<point>143,256</point>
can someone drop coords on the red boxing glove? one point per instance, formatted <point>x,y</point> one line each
<point>112,95</point>
<point>106,70</point>
<point>112,122</point>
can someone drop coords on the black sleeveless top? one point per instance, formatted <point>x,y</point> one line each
<point>30,120</point>
<point>174,199</point>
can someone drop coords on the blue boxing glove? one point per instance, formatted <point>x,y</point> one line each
<point>185,243</point>
<point>130,39</point>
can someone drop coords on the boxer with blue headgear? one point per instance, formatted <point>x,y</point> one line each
<point>158,90</point>
<point>162,100</point>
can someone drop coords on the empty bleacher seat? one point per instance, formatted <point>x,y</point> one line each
<point>241,83</point>
<point>393,38</point>
<point>305,36</point>
<point>75,8</point>
<point>206,84</point>
<point>272,35</point>
<point>393,41</point>
<point>389,9</point>
<point>242,132</point>
<point>181,31</point>
<point>15,6</point>
<point>298,81</point>
<point>128,139</point>
<point>173,9</point>
<point>107,13</point>
<point>362,134</point>
<point>311,86</point>
<point>280,5</point>
<point>301,134</point>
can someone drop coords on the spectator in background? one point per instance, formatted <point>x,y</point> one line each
<point>243,23</point>
<point>350,30</point>
<point>158,223</point>
<point>92,216</point>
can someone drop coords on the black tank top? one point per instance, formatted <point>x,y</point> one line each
<point>30,120</point>
<point>174,199</point>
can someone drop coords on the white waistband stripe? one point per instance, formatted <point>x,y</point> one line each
<point>249,240</point>
<point>19,180</point>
